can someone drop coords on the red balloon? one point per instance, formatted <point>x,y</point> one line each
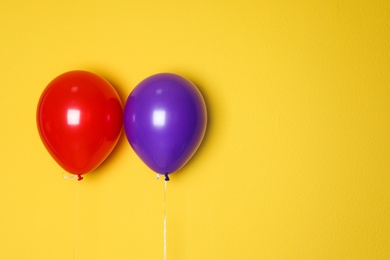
<point>79,120</point>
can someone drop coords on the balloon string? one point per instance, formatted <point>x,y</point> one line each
<point>78,176</point>
<point>76,213</point>
<point>165,220</point>
<point>68,176</point>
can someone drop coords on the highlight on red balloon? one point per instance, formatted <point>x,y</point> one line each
<point>79,119</point>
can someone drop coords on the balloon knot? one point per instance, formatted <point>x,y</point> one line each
<point>166,177</point>
<point>79,177</point>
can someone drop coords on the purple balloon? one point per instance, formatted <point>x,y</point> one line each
<point>165,120</point>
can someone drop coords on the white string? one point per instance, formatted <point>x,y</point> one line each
<point>76,213</point>
<point>165,220</point>
<point>68,176</point>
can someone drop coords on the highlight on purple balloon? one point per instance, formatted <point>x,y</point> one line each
<point>165,120</point>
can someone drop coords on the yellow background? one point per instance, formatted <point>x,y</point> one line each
<point>296,160</point>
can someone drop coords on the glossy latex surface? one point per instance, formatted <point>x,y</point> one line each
<point>79,119</point>
<point>165,121</point>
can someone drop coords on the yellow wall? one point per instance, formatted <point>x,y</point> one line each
<point>296,160</point>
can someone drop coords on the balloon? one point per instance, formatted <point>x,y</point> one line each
<point>165,120</point>
<point>79,120</point>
